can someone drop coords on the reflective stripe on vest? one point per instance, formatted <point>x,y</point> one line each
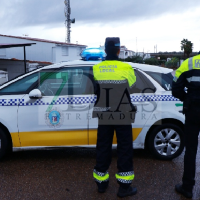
<point>175,79</point>
<point>194,78</point>
<point>100,177</point>
<point>196,64</point>
<point>125,177</point>
<point>189,64</point>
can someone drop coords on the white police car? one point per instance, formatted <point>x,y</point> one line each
<point>52,107</point>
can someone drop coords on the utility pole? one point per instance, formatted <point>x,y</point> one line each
<point>136,44</point>
<point>68,21</point>
<point>155,48</point>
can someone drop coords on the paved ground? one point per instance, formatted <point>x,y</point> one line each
<point>67,174</point>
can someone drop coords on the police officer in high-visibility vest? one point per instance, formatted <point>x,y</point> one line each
<point>186,87</point>
<point>114,81</point>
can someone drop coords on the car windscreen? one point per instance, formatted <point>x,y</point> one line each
<point>165,80</point>
<point>20,86</point>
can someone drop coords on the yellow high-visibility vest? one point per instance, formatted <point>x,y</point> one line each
<point>189,64</point>
<point>114,71</point>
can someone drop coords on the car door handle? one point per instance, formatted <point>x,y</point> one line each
<point>140,103</point>
<point>79,106</point>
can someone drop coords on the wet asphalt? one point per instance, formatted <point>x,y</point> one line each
<point>67,174</point>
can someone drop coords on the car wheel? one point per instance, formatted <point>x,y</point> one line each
<point>4,143</point>
<point>166,141</point>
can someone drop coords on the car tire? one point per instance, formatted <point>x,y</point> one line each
<point>4,144</point>
<point>166,141</point>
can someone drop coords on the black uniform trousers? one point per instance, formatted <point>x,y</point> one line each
<point>124,148</point>
<point>192,128</point>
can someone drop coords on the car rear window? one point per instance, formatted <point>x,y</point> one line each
<point>165,80</point>
<point>143,84</point>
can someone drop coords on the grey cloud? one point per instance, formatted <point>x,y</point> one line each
<point>21,13</point>
<point>118,10</point>
<point>32,12</point>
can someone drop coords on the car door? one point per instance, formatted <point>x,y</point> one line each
<point>10,99</point>
<point>141,93</point>
<point>8,115</point>
<point>59,118</point>
<point>167,105</point>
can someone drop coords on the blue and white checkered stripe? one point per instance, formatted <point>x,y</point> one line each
<point>12,102</point>
<point>37,102</point>
<point>141,98</point>
<point>3,102</point>
<point>81,100</point>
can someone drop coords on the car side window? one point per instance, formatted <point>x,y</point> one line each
<point>143,84</point>
<point>165,80</point>
<point>65,81</point>
<point>21,86</point>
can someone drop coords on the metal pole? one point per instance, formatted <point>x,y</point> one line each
<point>24,59</point>
<point>136,44</point>
<point>67,20</point>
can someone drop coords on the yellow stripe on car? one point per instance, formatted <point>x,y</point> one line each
<point>54,138</point>
<point>61,138</point>
<point>93,135</point>
<point>15,139</point>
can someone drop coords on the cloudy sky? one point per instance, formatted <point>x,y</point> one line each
<point>140,24</point>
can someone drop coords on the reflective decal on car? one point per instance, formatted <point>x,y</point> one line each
<point>80,100</point>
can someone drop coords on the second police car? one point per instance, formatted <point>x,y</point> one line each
<point>52,107</point>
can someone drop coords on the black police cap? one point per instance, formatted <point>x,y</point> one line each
<point>112,42</point>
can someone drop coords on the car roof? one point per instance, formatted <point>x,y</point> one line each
<point>150,68</point>
<point>144,67</point>
<point>74,63</point>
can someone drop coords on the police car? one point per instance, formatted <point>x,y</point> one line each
<point>52,107</point>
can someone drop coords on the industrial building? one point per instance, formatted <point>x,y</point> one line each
<point>43,50</point>
<point>124,52</point>
<point>40,52</point>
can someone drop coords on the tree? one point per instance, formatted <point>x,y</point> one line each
<point>173,63</point>
<point>187,47</point>
<point>151,61</point>
<point>134,59</point>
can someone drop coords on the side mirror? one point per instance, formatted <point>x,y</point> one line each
<point>35,94</point>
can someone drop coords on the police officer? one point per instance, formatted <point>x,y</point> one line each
<point>114,80</point>
<point>186,87</point>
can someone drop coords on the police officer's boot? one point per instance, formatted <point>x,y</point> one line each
<point>179,188</point>
<point>102,186</point>
<point>124,192</point>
